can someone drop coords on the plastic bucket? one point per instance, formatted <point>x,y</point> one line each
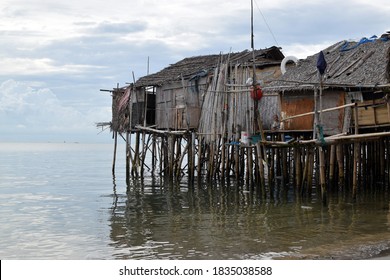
<point>245,137</point>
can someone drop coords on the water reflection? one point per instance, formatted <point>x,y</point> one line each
<point>157,220</point>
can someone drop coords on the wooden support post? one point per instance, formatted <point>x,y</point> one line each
<point>210,161</point>
<point>165,153</point>
<point>382,158</point>
<point>171,155</point>
<point>261,166</point>
<point>305,171</point>
<point>177,157</point>
<point>227,159</point>
<point>217,160</point>
<point>161,155</point>
<point>223,158</point>
<point>388,161</point>
<point>154,138</point>
<point>277,164</point>
<point>298,167</point>
<point>364,166</point>
<point>356,153</point>
<point>200,157</point>
<point>144,152</point>
<point>310,170</point>
<point>128,156</point>
<point>285,166</point>
<point>115,147</point>
<point>332,163</point>
<point>340,164</point>
<point>237,157</point>
<point>191,157</point>
<point>180,158</point>
<point>250,165</point>
<point>322,174</point>
<point>136,161</point>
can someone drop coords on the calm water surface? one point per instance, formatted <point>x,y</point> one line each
<point>60,201</point>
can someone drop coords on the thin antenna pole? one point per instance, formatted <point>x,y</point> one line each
<point>147,71</point>
<point>253,48</point>
<point>252,36</point>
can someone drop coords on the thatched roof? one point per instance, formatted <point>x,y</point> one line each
<point>349,64</point>
<point>193,65</point>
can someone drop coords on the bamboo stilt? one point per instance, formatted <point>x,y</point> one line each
<point>322,173</point>
<point>136,160</point>
<point>356,155</point>
<point>355,169</point>
<point>128,156</point>
<point>310,170</point>
<point>261,166</point>
<point>200,161</point>
<point>340,164</point>
<point>237,157</point>
<point>191,157</point>
<point>305,172</point>
<point>382,158</point>
<point>115,148</point>
<point>153,152</point>
<point>298,167</point>
<point>332,163</point>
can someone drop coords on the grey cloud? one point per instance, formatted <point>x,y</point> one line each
<point>325,21</point>
<point>107,27</point>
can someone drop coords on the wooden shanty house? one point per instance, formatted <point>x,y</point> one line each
<point>137,107</point>
<point>357,72</point>
<point>180,89</point>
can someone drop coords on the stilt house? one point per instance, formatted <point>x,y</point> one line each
<point>175,98</point>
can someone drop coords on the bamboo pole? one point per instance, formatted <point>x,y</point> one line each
<point>200,157</point>
<point>382,158</point>
<point>180,161</point>
<point>306,162</point>
<point>157,131</point>
<point>115,148</point>
<point>298,167</point>
<point>154,152</point>
<point>144,151</point>
<point>161,154</point>
<point>261,166</point>
<point>191,157</point>
<point>352,137</point>
<point>355,168</point>
<point>237,157</point>
<point>310,170</point>
<point>322,173</point>
<point>340,164</point>
<point>136,160</point>
<point>128,137</point>
<point>388,108</point>
<point>284,162</point>
<point>171,155</point>
<point>332,163</point>
<point>356,156</point>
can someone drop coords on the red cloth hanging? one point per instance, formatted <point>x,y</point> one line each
<point>256,92</point>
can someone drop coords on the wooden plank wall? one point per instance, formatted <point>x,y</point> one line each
<point>303,102</point>
<point>178,105</point>
<point>295,104</point>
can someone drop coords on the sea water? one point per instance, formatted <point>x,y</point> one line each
<point>61,201</point>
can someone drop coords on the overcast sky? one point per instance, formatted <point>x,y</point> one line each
<point>55,56</point>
